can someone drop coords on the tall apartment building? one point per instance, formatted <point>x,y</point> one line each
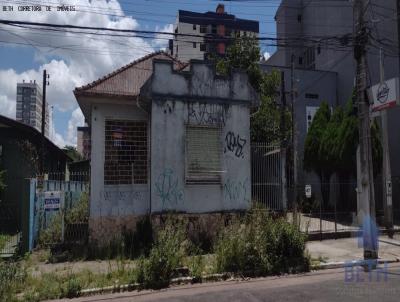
<point>29,106</point>
<point>210,30</point>
<point>318,34</point>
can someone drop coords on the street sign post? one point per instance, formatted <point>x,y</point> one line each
<point>308,191</point>
<point>385,95</point>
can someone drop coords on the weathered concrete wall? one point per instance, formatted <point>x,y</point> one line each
<point>199,98</point>
<point>168,190</point>
<point>111,204</point>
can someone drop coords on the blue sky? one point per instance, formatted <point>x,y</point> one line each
<point>74,60</point>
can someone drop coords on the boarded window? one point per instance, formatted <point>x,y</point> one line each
<point>203,155</point>
<point>125,152</point>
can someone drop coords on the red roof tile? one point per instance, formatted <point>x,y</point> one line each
<point>127,80</point>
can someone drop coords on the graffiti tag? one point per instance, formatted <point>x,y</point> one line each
<point>235,144</point>
<point>207,114</point>
<point>123,196</point>
<point>236,190</point>
<point>167,188</point>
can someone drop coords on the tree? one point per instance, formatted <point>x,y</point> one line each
<point>331,147</point>
<point>245,54</point>
<point>72,153</point>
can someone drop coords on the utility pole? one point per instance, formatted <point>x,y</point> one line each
<point>294,137</point>
<point>366,176</point>
<point>386,175</point>
<point>283,142</point>
<point>45,83</point>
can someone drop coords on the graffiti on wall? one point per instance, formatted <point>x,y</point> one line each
<point>236,191</point>
<point>207,114</point>
<point>235,144</point>
<point>123,196</point>
<point>167,189</point>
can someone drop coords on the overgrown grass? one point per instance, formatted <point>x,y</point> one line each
<point>165,256</point>
<point>261,245</point>
<point>256,245</point>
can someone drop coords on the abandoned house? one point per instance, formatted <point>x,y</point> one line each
<point>164,139</point>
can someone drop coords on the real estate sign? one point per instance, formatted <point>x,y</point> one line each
<point>52,200</point>
<point>385,95</point>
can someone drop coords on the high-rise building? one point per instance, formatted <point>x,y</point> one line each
<point>29,106</point>
<point>210,32</point>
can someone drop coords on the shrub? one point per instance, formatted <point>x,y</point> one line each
<point>73,287</point>
<point>79,213</point>
<point>10,275</point>
<point>165,256</point>
<point>261,245</point>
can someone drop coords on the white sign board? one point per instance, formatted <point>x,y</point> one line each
<point>310,114</point>
<point>385,95</point>
<point>52,200</point>
<point>308,191</point>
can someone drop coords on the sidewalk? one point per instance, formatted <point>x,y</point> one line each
<point>347,249</point>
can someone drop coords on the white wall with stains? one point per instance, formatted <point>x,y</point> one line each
<point>198,97</point>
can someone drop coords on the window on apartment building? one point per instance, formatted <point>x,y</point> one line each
<point>312,96</point>
<point>194,45</point>
<point>202,47</point>
<point>299,18</point>
<point>203,155</point>
<point>125,160</point>
<point>309,58</point>
<point>214,29</point>
<point>300,60</point>
<point>194,26</point>
<point>203,29</point>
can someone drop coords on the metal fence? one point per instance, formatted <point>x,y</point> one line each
<point>67,217</point>
<point>266,175</point>
<point>11,245</point>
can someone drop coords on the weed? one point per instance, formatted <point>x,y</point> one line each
<point>261,245</point>
<point>165,256</point>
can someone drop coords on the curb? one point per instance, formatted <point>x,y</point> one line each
<point>137,286</point>
<point>343,264</point>
<point>218,277</point>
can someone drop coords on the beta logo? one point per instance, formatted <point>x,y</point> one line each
<point>383,93</point>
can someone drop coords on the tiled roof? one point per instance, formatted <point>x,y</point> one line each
<point>127,80</point>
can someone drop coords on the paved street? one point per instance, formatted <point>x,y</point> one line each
<point>329,285</point>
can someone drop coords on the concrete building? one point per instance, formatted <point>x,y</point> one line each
<point>166,140</point>
<point>211,31</point>
<point>83,145</point>
<point>29,106</point>
<point>319,36</point>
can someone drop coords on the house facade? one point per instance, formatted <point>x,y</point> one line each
<point>166,140</point>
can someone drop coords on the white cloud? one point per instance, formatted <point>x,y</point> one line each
<point>77,119</point>
<point>267,55</point>
<point>77,59</point>
<point>161,40</point>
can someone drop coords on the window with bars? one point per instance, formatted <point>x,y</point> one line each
<point>203,155</point>
<point>125,152</point>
